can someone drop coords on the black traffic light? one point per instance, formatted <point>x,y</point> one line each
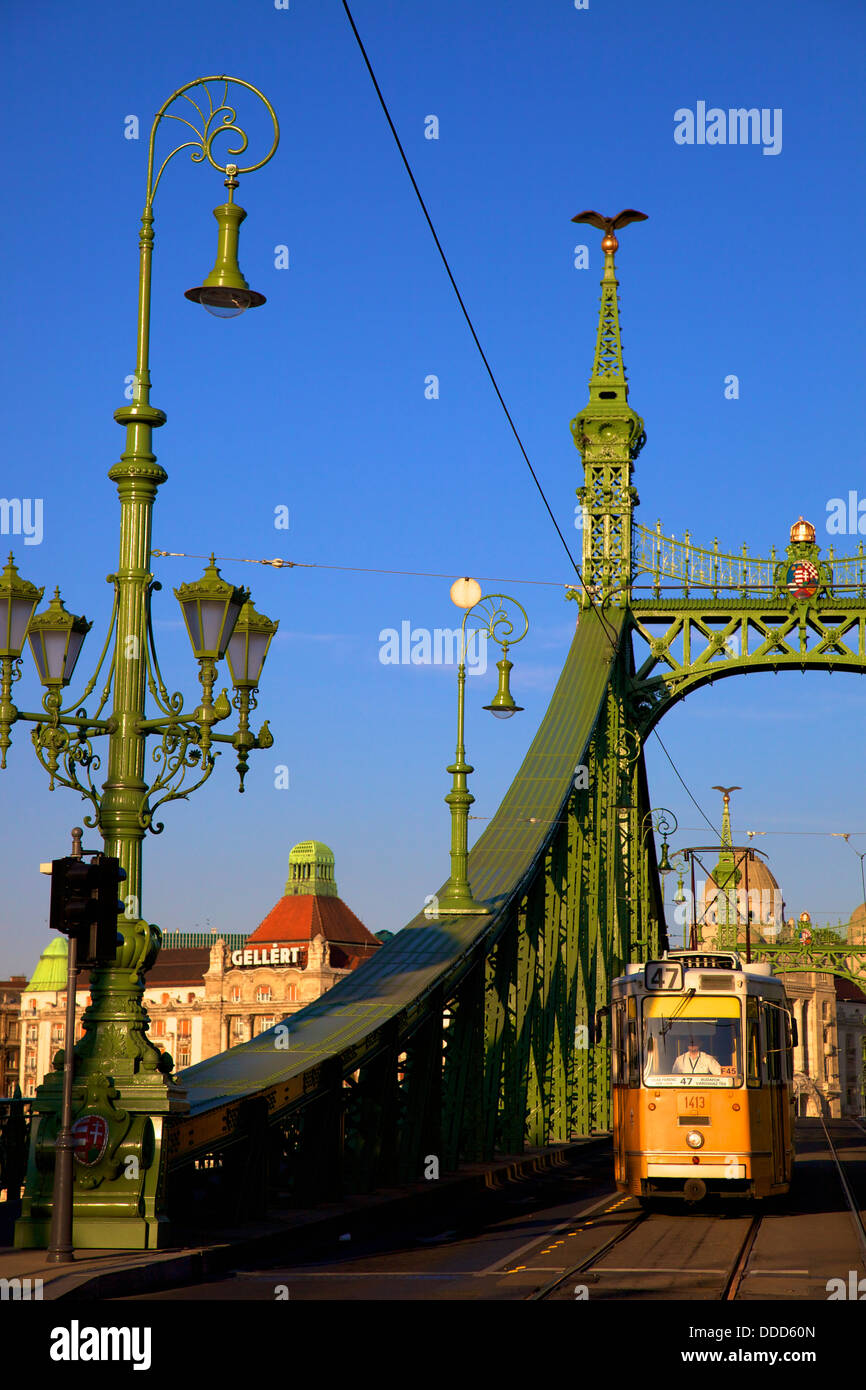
<point>84,904</point>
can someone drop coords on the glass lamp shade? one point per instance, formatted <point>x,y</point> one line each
<point>210,608</point>
<point>18,600</point>
<point>665,866</point>
<point>465,592</point>
<point>248,647</point>
<point>225,293</point>
<point>502,704</point>
<point>55,638</point>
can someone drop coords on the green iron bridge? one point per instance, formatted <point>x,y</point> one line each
<point>469,1035</point>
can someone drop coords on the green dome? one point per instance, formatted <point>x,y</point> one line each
<point>311,870</point>
<point>50,973</point>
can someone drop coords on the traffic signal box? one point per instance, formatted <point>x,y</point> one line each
<point>84,904</point>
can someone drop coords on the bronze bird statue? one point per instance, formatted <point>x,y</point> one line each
<point>609,225</point>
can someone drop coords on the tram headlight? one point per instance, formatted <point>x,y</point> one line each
<point>694,1140</point>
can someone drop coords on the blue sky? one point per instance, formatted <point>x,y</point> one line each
<point>749,264</point>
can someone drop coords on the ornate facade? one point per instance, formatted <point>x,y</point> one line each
<point>208,992</point>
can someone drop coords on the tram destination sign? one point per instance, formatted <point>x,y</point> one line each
<point>701,1079</point>
<point>663,974</point>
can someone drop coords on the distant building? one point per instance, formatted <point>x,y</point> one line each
<point>309,940</point>
<point>43,1013</point>
<point>740,888</point>
<point>206,992</point>
<point>10,1032</point>
<point>830,1012</point>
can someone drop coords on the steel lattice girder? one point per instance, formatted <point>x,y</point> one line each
<point>688,643</point>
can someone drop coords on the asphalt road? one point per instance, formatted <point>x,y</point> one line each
<point>515,1244</point>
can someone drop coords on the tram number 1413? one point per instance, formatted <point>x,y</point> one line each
<point>663,974</point>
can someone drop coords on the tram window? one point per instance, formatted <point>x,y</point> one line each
<point>619,1067</point>
<point>772,1033</point>
<point>753,1054</point>
<point>703,1038</point>
<point>789,1045</point>
<point>632,1048</point>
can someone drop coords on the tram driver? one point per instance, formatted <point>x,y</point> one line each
<point>696,1062</point>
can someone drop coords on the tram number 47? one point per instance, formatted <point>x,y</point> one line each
<point>661,975</point>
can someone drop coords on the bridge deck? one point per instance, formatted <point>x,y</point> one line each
<point>428,953</point>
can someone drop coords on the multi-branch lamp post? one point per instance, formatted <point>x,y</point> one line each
<point>485,615</point>
<point>123,1087</point>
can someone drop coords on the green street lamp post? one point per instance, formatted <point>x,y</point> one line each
<point>668,864</point>
<point>488,617</point>
<point>123,1085</point>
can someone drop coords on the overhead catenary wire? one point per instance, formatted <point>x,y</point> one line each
<point>610,631</point>
<point>714,828</point>
<point>350,569</point>
<point>279,563</point>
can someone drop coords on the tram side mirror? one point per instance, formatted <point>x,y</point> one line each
<point>600,1016</point>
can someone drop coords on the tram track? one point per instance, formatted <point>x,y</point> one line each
<point>739,1266</point>
<point>853,1207</point>
<point>538,1295</point>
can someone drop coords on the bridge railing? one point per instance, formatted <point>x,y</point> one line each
<point>679,565</point>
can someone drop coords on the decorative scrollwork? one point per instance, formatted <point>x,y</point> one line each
<point>490,615</point>
<point>179,753</point>
<point>219,120</point>
<point>54,744</point>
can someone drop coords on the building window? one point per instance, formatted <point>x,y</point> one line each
<point>265,1024</point>
<point>166,999</point>
<point>263,994</point>
<point>184,1028</point>
<point>291,993</point>
<point>184,1055</point>
<point>190,998</point>
<point>236,994</point>
<point>158,1029</point>
<point>33,1032</point>
<point>238,1027</point>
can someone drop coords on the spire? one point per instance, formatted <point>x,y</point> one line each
<point>726,876</point>
<point>608,371</point>
<point>609,435</point>
<point>608,381</point>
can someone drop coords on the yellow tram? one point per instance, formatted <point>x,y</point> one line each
<point>702,1071</point>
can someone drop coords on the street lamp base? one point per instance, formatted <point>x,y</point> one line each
<point>462,905</point>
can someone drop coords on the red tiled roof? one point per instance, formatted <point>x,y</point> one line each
<point>303,916</point>
<point>179,965</point>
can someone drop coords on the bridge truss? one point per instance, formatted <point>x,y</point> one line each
<point>465,1036</point>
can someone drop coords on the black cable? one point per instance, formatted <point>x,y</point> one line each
<point>714,828</point>
<point>611,632</point>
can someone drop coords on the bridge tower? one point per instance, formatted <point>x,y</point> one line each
<point>609,435</point>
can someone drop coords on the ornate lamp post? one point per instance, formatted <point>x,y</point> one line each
<point>664,823</point>
<point>489,616</point>
<point>123,1087</point>
<point>667,865</point>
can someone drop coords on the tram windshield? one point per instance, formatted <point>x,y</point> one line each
<point>692,1041</point>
